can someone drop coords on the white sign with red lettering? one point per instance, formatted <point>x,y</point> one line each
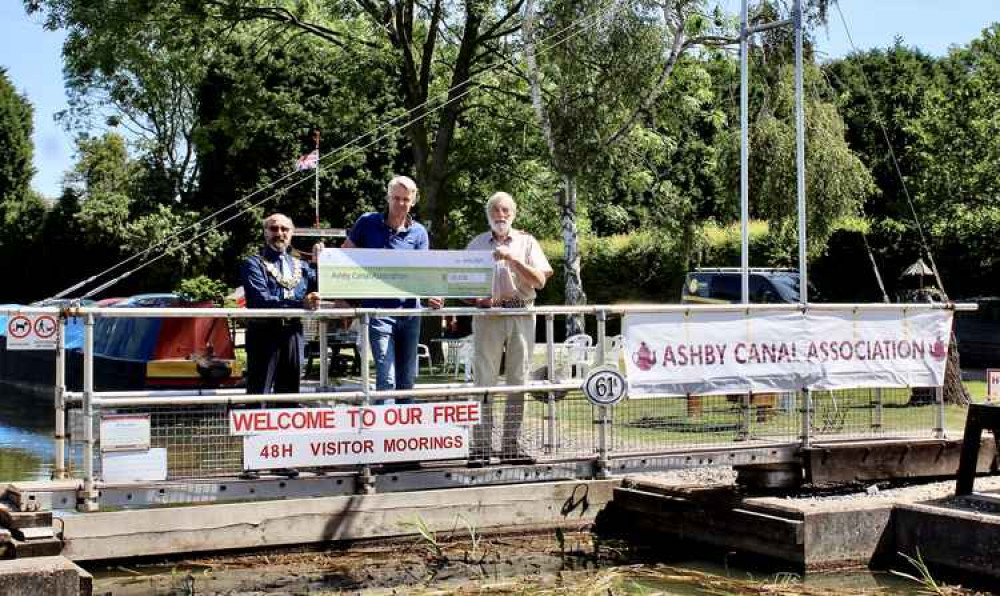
<point>284,421</point>
<point>352,435</point>
<point>32,332</point>
<point>262,452</point>
<point>715,352</point>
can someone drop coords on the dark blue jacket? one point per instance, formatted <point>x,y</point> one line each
<point>263,291</point>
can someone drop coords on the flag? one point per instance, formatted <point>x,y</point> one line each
<point>308,161</point>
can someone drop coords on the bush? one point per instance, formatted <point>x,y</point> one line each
<point>641,267</point>
<point>202,289</point>
<point>646,266</point>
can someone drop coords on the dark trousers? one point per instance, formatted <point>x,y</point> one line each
<point>274,356</point>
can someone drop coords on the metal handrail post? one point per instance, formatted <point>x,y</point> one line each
<point>877,411</point>
<point>88,497</point>
<point>602,332</point>
<point>324,361</point>
<point>743,432</point>
<point>806,410</point>
<point>939,395</point>
<point>602,411</point>
<point>367,484</point>
<point>366,356</point>
<point>59,437</point>
<point>550,403</point>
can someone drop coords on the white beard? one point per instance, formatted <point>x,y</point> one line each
<point>500,228</point>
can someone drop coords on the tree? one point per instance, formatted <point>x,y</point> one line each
<point>957,155</point>
<point>878,94</point>
<point>938,117</point>
<point>603,85</point>
<point>431,54</point>
<point>140,74</point>
<point>599,83</point>
<point>114,226</point>
<point>837,182</point>
<point>15,144</point>
<point>433,49</point>
<point>21,209</point>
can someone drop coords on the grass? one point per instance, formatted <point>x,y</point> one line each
<point>641,424</point>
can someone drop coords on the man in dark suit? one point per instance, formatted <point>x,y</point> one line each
<point>274,278</point>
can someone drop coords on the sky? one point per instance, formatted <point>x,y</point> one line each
<point>32,56</point>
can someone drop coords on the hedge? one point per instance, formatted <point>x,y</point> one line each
<point>646,266</point>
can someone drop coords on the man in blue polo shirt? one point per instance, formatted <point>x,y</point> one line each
<point>393,339</point>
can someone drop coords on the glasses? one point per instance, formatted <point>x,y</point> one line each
<point>279,229</point>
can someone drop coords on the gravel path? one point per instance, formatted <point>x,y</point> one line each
<point>875,494</point>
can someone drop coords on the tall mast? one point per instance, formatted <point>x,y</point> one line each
<point>800,156</point>
<point>315,136</point>
<point>744,158</point>
<point>800,147</point>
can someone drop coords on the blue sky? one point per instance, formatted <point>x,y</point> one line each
<point>32,56</point>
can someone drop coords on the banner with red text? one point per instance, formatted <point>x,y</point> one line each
<point>718,352</point>
<point>263,452</point>
<point>285,421</point>
<point>353,435</point>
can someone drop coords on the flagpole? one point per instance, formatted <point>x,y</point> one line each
<point>316,189</point>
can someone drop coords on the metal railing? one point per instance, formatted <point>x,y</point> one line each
<point>559,424</point>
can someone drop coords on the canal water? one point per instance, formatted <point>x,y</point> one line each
<point>26,428</point>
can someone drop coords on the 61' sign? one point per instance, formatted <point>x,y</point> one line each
<point>604,386</point>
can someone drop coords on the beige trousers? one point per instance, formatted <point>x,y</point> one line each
<point>492,336</point>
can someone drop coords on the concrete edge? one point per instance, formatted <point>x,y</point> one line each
<point>207,528</point>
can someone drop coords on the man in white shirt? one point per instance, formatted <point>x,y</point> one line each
<point>520,269</point>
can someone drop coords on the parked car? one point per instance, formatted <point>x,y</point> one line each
<point>722,285</point>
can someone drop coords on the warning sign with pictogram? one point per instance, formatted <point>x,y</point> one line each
<point>32,332</point>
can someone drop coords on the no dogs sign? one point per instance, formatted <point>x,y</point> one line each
<point>32,332</point>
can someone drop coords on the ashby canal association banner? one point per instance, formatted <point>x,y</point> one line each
<point>700,352</point>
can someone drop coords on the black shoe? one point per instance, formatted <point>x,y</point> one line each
<point>477,462</point>
<point>250,475</point>
<point>287,472</point>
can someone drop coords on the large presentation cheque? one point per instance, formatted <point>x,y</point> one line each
<point>384,273</point>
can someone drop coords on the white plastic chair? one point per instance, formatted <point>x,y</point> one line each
<point>613,347</point>
<point>463,358</point>
<point>424,352</point>
<point>577,352</point>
